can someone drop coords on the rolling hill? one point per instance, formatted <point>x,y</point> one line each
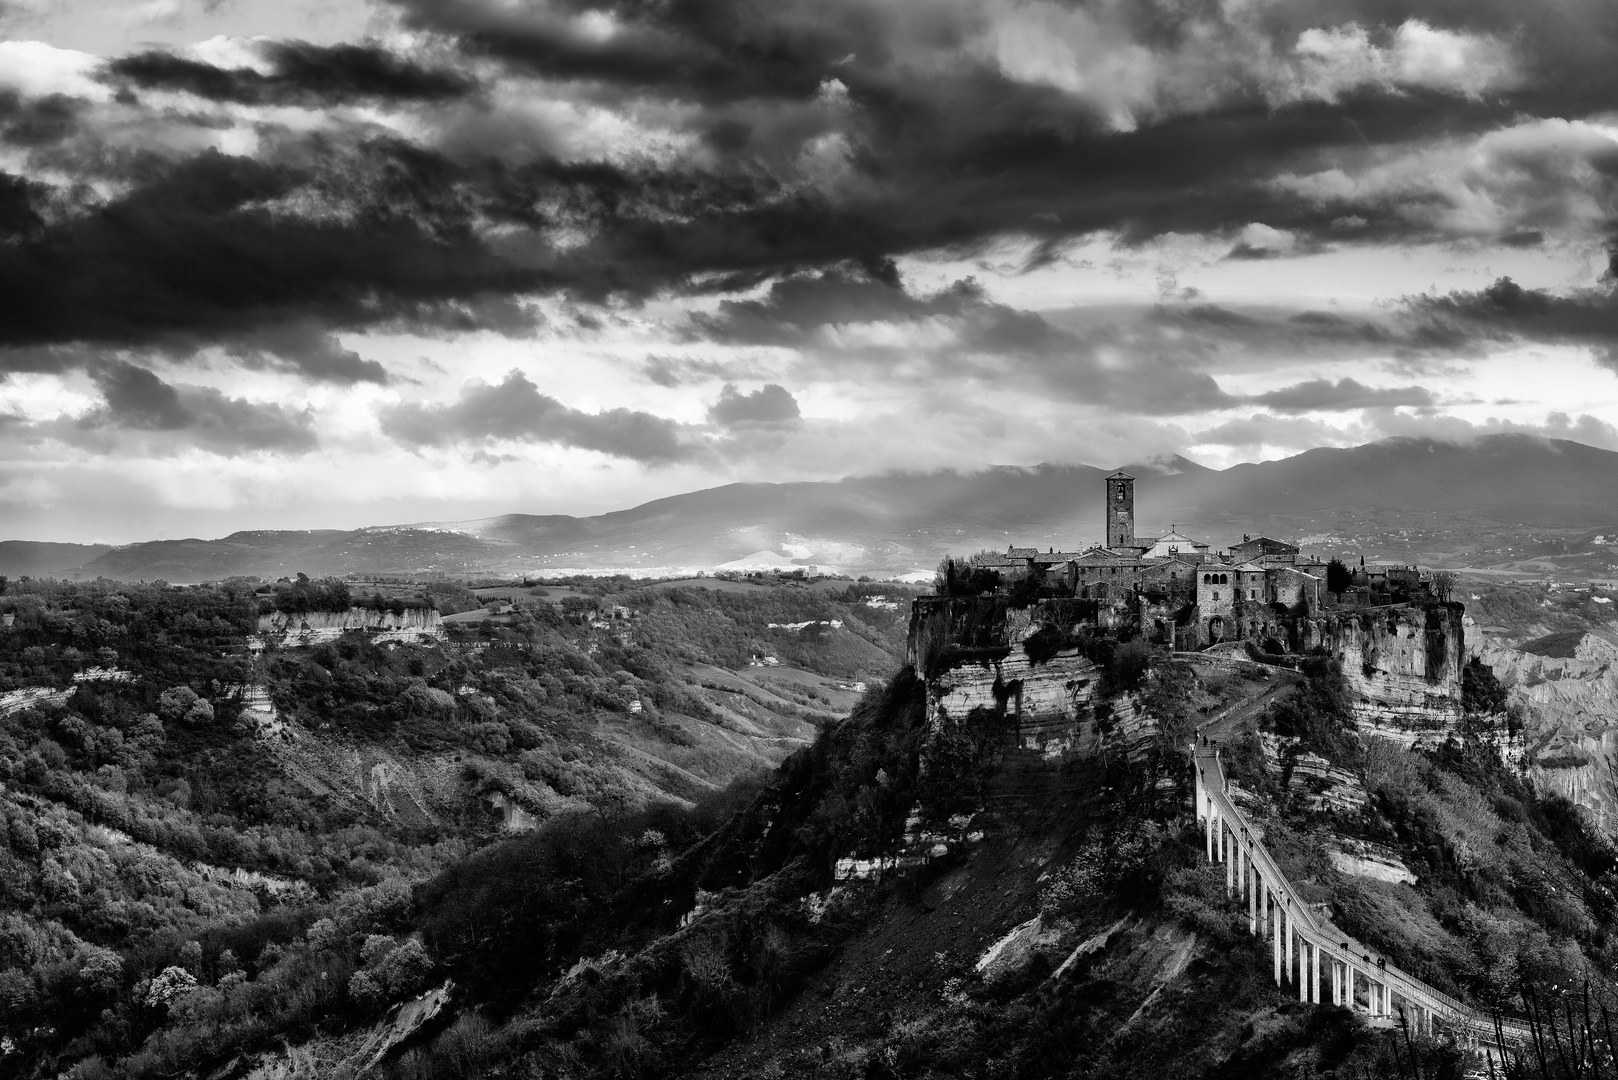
<point>1495,501</point>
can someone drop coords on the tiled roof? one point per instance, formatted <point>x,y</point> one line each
<point>1266,539</point>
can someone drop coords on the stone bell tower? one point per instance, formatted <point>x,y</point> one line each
<point>1120,510</point>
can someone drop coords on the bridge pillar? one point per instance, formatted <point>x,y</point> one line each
<point>1203,805</point>
<point>1314,975</point>
<point>1209,824</point>
<point>1348,986</point>
<point>1230,864</point>
<point>1252,896</point>
<point>1289,940</point>
<point>1275,937</point>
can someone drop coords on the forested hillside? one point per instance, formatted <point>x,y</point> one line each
<point>188,826</point>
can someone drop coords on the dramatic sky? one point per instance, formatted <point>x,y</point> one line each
<point>304,263</point>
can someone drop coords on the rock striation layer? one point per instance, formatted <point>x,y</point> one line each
<point>1569,707</point>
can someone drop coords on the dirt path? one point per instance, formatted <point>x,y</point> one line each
<point>1229,720</point>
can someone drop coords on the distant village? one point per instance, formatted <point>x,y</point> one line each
<point>1186,595</point>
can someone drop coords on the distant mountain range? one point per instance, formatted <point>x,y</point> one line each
<point>1494,501</point>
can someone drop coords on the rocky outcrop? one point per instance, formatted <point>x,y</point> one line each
<point>281,622</point>
<point>30,697</point>
<point>1324,786</point>
<point>1569,707</point>
<point>1052,703</point>
<point>1402,666</point>
<point>1360,858</point>
<point>313,627</point>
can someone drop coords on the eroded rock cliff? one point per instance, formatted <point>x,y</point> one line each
<point>1402,666</point>
<point>1569,709</point>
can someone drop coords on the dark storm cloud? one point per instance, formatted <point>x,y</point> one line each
<point>712,51</point>
<point>971,337</point>
<point>31,122</point>
<point>794,308</point>
<point>306,349</point>
<point>137,400</point>
<point>940,127</point>
<point>833,133</point>
<point>1323,395</point>
<point>1505,312</point>
<point>515,409</point>
<point>304,74</point>
<point>198,252</point>
<point>17,213</point>
<point>771,404</point>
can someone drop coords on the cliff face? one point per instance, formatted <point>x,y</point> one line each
<point>1402,667</point>
<point>1052,702</point>
<point>315,627</point>
<point>280,622</point>
<point>1570,716</point>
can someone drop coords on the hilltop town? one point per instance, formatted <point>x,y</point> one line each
<point>1175,591</point>
<point>1032,638</point>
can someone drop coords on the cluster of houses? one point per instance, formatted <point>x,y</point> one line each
<point>1183,592</point>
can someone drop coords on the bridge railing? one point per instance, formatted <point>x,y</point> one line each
<point>1406,985</point>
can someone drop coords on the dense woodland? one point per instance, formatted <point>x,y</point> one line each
<point>176,886</point>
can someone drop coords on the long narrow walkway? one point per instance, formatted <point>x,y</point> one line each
<point>1324,963</point>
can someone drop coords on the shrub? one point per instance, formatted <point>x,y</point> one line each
<point>405,970</point>
<point>376,947</point>
<point>367,993</point>
<point>183,704</point>
<point>1481,692</point>
<point>1126,667</point>
<point>169,985</point>
<point>1120,863</point>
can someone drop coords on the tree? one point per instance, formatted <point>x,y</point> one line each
<point>1481,692</point>
<point>1443,585</point>
<point>1339,579</point>
<point>184,704</point>
<point>168,985</point>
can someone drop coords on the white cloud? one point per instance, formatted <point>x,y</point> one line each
<point>1328,63</point>
<point>37,70</point>
<point>1545,174</point>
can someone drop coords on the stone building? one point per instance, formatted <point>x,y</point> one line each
<point>1175,545</point>
<point>1182,593</point>
<point>1253,548</point>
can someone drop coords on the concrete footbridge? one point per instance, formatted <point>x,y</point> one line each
<point>1310,953</point>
